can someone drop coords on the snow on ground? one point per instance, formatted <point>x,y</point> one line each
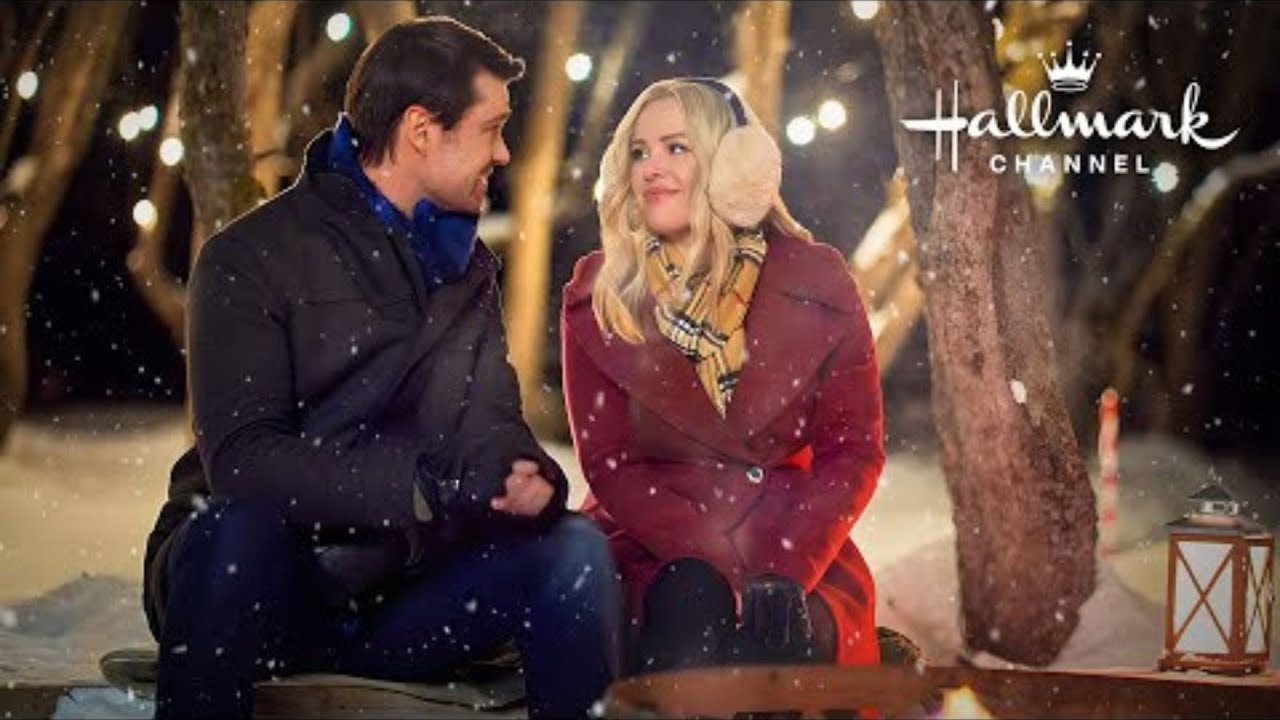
<point>78,496</point>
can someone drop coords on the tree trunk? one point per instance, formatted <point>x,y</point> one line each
<point>71,92</point>
<point>1026,523</point>
<point>533,183</point>
<point>377,16</point>
<point>761,38</point>
<point>217,165</point>
<point>269,24</point>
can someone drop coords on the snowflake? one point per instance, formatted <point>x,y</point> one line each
<point>1019,391</point>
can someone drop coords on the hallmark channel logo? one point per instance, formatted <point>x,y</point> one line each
<point>1034,118</point>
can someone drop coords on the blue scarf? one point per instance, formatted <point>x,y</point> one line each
<point>442,241</point>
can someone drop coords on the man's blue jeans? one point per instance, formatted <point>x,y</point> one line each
<point>244,603</point>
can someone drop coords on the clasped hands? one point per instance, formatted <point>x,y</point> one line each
<point>524,493</point>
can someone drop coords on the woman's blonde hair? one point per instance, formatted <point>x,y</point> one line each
<point>620,286</point>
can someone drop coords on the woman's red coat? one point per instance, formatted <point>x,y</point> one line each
<point>670,478</point>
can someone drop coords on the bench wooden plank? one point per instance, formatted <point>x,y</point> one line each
<point>823,691</point>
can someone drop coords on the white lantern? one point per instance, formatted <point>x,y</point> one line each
<point>1221,587</point>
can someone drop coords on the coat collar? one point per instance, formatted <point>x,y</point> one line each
<point>792,327</point>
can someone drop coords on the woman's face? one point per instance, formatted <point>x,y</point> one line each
<point>663,169</point>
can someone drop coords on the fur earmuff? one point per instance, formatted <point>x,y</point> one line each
<point>745,177</point>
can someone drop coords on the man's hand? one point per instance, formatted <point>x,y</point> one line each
<point>527,491</point>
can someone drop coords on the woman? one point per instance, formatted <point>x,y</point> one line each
<point>723,393</point>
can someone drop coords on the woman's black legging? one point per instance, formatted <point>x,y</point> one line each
<point>689,615</point>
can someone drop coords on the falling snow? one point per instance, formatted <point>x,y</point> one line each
<point>1019,391</point>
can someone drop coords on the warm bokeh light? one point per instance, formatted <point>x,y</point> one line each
<point>171,151</point>
<point>338,26</point>
<point>865,9</point>
<point>148,117</point>
<point>129,126</point>
<point>144,213</point>
<point>1165,177</point>
<point>578,67</point>
<point>832,115</point>
<point>28,83</point>
<point>800,130</point>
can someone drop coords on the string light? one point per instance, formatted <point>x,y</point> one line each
<point>1165,177</point>
<point>148,117</point>
<point>831,115</point>
<point>171,151</point>
<point>800,130</point>
<point>865,9</point>
<point>28,83</point>
<point>130,125</point>
<point>578,67</point>
<point>338,27</point>
<point>144,214</point>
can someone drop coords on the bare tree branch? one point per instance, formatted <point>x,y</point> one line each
<point>25,62</point>
<point>1205,200</point>
<point>586,151</point>
<point>74,83</point>
<point>161,291</point>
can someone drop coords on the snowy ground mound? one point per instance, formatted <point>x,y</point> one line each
<point>60,635</point>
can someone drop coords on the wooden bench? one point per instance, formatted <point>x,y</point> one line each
<point>894,692</point>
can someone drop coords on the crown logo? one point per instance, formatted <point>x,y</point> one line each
<point>1070,77</point>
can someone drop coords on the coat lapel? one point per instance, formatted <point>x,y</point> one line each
<point>789,335</point>
<point>655,375</point>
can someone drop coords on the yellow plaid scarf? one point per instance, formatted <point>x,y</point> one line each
<point>716,342</point>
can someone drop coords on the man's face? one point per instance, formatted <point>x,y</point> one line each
<point>458,161</point>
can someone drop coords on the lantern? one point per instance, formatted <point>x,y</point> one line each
<point>1220,588</point>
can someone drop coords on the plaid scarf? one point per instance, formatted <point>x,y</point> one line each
<point>706,329</point>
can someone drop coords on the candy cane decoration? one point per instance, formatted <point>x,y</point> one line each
<point>1109,460</point>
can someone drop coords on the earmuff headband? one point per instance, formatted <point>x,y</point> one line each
<point>731,97</point>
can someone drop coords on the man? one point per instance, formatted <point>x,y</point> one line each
<point>364,496</point>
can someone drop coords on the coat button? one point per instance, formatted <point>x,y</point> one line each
<point>755,474</point>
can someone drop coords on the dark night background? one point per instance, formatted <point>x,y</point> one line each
<point>92,339</point>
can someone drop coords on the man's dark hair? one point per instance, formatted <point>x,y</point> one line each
<point>428,61</point>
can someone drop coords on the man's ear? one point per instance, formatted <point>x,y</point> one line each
<point>421,130</point>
